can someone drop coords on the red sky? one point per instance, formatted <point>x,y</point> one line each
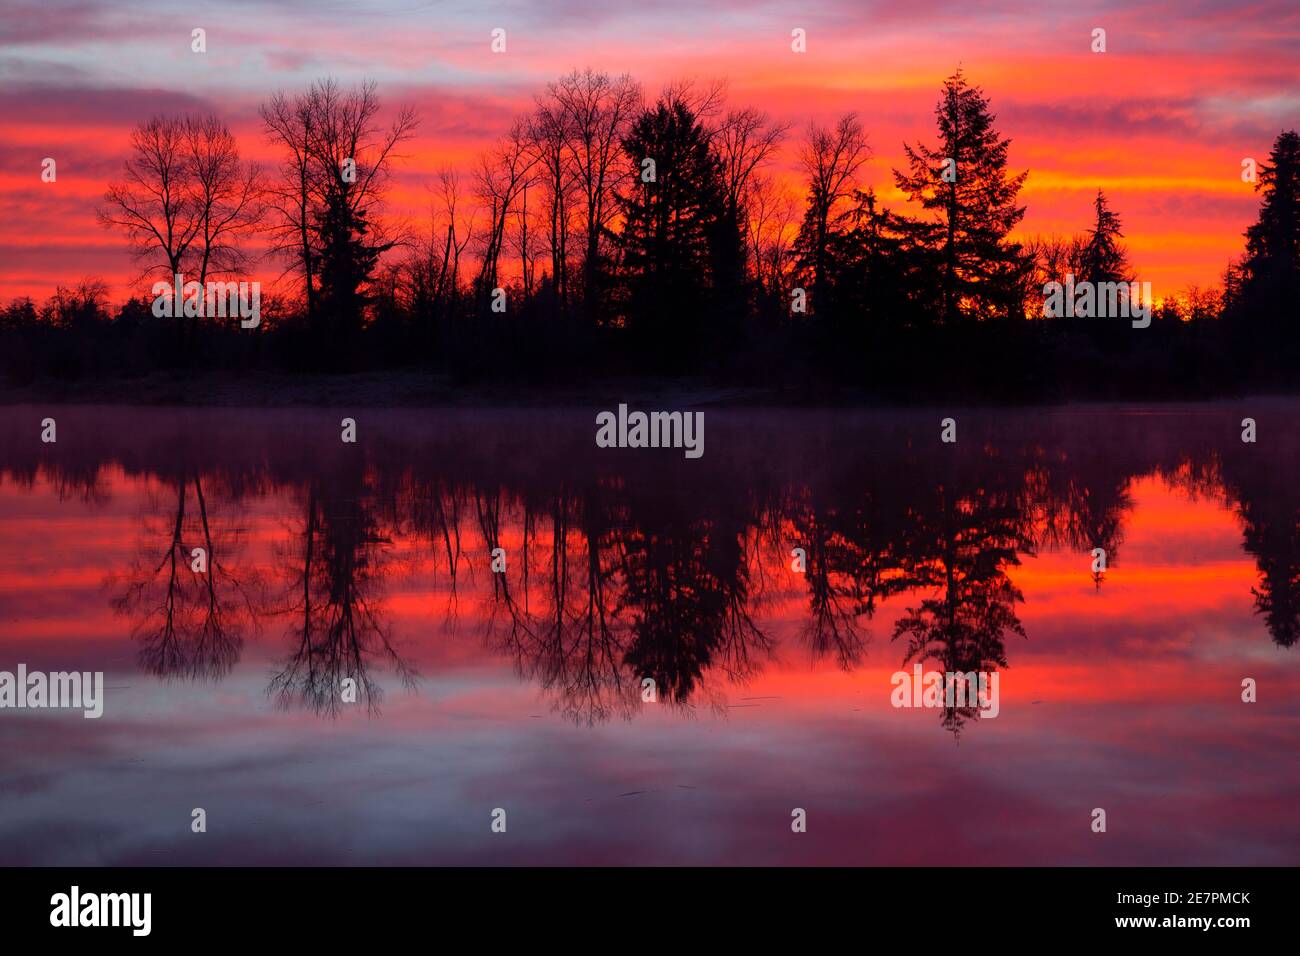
<point>1161,120</point>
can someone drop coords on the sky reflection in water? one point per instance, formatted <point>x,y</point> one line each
<point>523,690</point>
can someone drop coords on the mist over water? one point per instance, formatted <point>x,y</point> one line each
<point>525,690</point>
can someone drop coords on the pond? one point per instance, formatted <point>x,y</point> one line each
<point>676,660</point>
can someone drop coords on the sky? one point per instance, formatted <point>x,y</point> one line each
<point>1162,120</point>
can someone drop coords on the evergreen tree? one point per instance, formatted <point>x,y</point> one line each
<point>1268,281</point>
<point>1103,258</point>
<point>964,179</point>
<point>678,240</point>
<point>876,275</point>
<point>346,261</point>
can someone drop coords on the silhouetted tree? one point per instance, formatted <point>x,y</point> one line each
<point>771,228</point>
<point>292,197</point>
<point>550,130</point>
<point>503,178</point>
<point>333,179</point>
<point>1051,258</point>
<point>745,142</point>
<point>597,111</point>
<point>964,180</point>
<point>186,201</point>
<point>831,159</point>
<point>1265,293</point>
<point>1103,258</point>
<point>876,277</point>
<point>678,238</point>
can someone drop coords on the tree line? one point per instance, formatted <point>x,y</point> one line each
<point>607,231</point>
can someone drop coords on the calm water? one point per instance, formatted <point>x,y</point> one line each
<point>523,690</point>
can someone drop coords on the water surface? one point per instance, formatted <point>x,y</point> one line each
<point>524,690</point>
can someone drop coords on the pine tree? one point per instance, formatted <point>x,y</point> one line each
<point>677,239</point>
<point>876,278</point>
<point>1268,289</point>
<point>1103,258</point>
<point>964,179</point>
<point>347,259</point>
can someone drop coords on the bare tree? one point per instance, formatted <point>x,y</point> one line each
<point>154,201</point>
<point>433,270</point>
<point>1051,258</point>
<point>289,122</point>
<point>704,100</point>
<point>771,225</point>
<point>458,236</point>
<point>186,200</point>
<point>599,111</point>
<point>226,193</point>
<point>745,142</point>
<point>831,159</point>
<point>338,163</point>
<point>549,132</point>
<point>504,173</point>
<point>526,243</point>
<point>347,136</point>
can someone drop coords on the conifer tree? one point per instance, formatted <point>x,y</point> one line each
<point>1103,258</point>
<point>964,180</point>
<point>1267,286</point>
<point>677,237</point>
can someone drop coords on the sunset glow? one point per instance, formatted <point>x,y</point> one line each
<point>1161,120</point>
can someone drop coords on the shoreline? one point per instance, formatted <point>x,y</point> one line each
<point>430,390</point>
